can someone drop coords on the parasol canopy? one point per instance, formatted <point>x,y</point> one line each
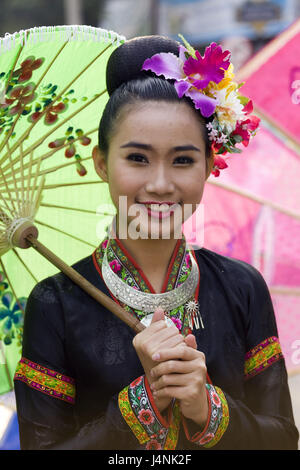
<point>52,94</point>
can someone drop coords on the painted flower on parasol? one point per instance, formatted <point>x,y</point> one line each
<point>27,67</point>
<point>209,82</point>
<point>11,314</point>
<point>71,143</point>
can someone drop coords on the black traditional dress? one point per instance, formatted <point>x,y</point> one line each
<point>80,384</point>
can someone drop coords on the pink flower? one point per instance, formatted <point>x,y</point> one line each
<point>209,68</point>
<point>104,244</point>
<point>153,445</point>
<point>187,259</point>
<point>245,128</point>
<point>219,164</point>
<point>115,265</point>
<point>146,416</point>
<point>177,323</point>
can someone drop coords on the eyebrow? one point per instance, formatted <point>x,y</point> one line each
<point>179,148</point>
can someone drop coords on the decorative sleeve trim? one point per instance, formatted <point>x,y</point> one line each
<point>262,356</point>
<point>217,422</point>
<point>138,408</point>
<point>46,380</point>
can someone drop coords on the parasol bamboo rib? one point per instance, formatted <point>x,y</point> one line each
<point>46,171</point>
<point>23,137</point>
<point>86,211</point>
<point>278,131</point>
<point>65,185</point>
<point>42,139</point>
<point>87,286</point>
<point>268,51</point>
<point>65,233</point>
<point>35,87</point>
<point>283,290</point>
<point>14,212</point>
<point>43,157</point>
<point>61,185</point>
<point>254,198</point>
<point>24,264</point>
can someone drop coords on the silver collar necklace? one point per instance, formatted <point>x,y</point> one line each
<point>145,301</point>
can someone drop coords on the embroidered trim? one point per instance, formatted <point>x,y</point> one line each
<point>173,431</point>
<point>45,380</point>
<point>262,356</point>
<point>130,417</point>
<point>223,422</point>
<point>217,422</point>
<point>140,413</point>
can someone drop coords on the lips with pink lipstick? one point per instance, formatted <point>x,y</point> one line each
<point>160,209</point>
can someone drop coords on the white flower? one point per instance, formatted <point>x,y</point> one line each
<point>222,139</point>
<point>229,110</point>
<point>213,134</point>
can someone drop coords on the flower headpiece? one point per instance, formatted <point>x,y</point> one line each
<point>209,82</point>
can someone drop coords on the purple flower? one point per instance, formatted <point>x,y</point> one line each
<point>203,102</point>
<point>173,67</point>
<point>209,68</point>
<point>166,64</point>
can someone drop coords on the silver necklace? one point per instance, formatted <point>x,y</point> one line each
<point>145,301</point>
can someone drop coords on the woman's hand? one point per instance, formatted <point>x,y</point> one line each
<point>181,373</point>
<point>156,337</point>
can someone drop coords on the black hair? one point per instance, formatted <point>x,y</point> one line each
<point>127,84</point>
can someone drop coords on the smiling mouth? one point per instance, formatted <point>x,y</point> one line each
<point>159,210</point>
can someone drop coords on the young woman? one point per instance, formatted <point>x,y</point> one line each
<point>207,371</point>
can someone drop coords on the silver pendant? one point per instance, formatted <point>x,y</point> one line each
<point>194,315</point>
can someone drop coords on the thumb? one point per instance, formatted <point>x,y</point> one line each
<point>190,341</point>
<point>158,315</point>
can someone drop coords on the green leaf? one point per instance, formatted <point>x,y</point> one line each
<point>237,138</point>
<point>190,49</point>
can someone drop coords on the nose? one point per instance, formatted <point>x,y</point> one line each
<point>160,180</point>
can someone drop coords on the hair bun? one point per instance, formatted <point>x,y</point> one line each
<point>126,61</point>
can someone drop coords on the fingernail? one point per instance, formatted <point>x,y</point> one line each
<point>156,357</point>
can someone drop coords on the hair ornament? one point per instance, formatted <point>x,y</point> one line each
<point>209,82</point>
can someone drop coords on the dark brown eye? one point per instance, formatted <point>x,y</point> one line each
<point>137,157</point>
<point>183,161</point>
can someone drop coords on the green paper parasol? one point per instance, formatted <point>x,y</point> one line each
<point>52,94</point>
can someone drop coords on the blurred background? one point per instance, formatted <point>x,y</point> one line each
<point>244,25</point>
<point>270,206</point>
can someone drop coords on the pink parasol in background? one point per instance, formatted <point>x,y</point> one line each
<point>252,210</point>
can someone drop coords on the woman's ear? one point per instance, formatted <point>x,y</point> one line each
<point>100,163</point>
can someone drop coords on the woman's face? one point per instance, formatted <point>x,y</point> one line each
<point>156,159</point>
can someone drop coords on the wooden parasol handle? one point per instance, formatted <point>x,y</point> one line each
<point>103,299</point>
